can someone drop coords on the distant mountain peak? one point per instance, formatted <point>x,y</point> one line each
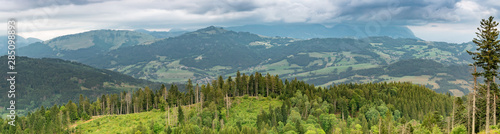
<point>105,38</point>
<point>211,30</point>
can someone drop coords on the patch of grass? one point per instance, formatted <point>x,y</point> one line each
<point>244,110</point>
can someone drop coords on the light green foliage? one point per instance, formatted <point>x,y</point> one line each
<point>383,109</point>
<point>228,130</point>
<point>372,114</point>
<point>460,129</point>
<point>374,129</point>
<point>421,130</point>
<point>289,127</point>
<point>397,115</point>
<point>313,130</point>
<point>326,121</point>
<point>291,132</point>
<point>294,115</point>
<point>357,129</point>
<point>436,130</point>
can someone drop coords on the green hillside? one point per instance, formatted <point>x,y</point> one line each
<point>83,45</point>
<point>249,104</point>
<point>54,81</point>
<point>206,53</point>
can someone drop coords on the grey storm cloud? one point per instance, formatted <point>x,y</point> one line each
<point>193,14</point>
<point>31,4</point>
<point>405,12</point>
<point>224,6</point>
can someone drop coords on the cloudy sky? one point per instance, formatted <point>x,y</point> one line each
<point>434,20</point>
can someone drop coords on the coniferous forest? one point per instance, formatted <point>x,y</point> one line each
<point>291,106</point>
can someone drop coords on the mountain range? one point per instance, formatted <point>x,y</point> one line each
<point>204,54</point>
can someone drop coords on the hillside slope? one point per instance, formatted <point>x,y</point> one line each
<point>82,45</point>
<point>213,51</point>
<point>400,105</point>
<point>54,81</point>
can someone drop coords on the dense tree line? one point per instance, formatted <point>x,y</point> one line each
<point>345,108</point>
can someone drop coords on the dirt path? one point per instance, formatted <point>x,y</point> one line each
<point>93,118</point>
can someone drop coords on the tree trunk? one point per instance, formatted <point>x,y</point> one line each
<point>389,127</point>
<point>102,108</point>
<point>488,97</point>
<point>468,113</point>
<point>121,104</point>
<point>474,103</point>
<point>343,113</point>
<point>404,128</point>
<point>201,100</point>
<point>168,115</point>
<point>449,125</point>
<point>267,87</point>
<point>494,109</point>
<point>196,96</point>
<point>379,124</point>
<point>256,86</point>
<point>494,104</point>
<point>236,92</point>
<point>247,87</point>
<point>166,118</point>
<point>452,115</point>
<point>227,106</point>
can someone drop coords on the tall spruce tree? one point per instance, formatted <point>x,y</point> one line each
<point>487,57</point>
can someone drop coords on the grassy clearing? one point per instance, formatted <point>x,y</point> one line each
<point>280,68</point>
<point>321,54</point>
<point>244,110</point>
<point>119,123</point>
<point>175,75</point>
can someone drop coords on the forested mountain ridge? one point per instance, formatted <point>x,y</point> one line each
<point>203,54</point>
<point>50,81</point>
<point>250,103</point>
<point>82,45</point>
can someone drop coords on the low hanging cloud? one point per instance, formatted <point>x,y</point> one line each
<point>71,16</point>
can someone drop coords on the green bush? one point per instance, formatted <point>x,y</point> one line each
<point>460,129</point>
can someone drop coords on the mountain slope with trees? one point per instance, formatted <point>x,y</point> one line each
<point>46,81</point>
<point>250,103</point>
<point>82,45</point>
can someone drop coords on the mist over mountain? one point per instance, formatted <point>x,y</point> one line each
<point>342,30</point>
<point>20,42</point>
